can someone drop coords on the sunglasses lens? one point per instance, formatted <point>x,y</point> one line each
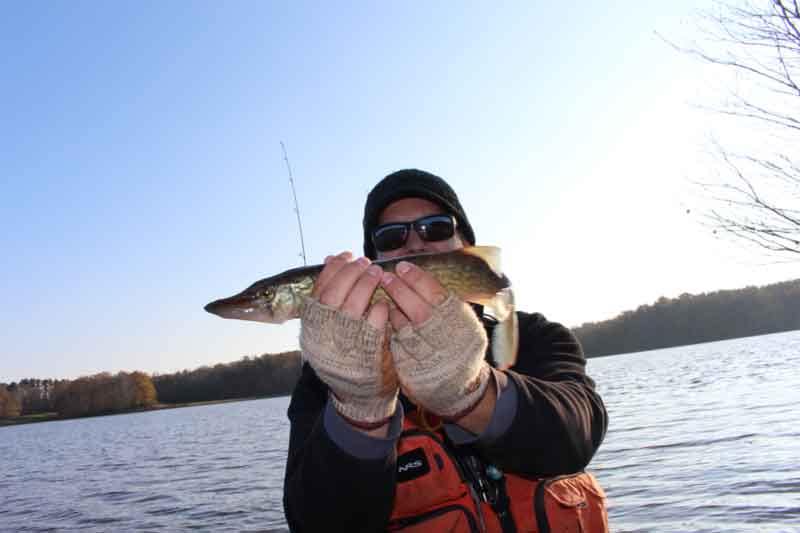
<point>431,228</point>
<point>390,237</point>
<point>436,228</point>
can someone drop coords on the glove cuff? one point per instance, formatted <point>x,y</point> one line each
<point>366,413</point>
<point>467,402</point>
<point>471,399</point>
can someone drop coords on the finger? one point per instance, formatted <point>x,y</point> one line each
<point>333,264</point>
<point>409,302</point>
<point>336,290</point>
<point>422,282</point>
<point>378,314</point>
<point>358,298</point>
<point>398,319</point>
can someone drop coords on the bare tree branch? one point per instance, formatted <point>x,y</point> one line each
<point>757,201</point>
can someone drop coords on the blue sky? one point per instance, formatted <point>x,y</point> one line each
<point>142,174</point>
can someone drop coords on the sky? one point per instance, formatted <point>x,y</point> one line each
<point>141,173</point>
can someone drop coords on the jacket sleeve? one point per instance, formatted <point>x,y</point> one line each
<point>560,420</point>
<point>325,487</point>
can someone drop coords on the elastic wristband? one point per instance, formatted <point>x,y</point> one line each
<point>365,425</point>
<point>357,423</point>
<point>464,412</point>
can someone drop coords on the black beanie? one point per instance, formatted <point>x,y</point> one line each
<point>412,183</point>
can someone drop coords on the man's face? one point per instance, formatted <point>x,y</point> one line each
<point>408,210</point>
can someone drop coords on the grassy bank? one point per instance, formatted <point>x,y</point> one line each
<point>48,417</point>
<point>28,419</point>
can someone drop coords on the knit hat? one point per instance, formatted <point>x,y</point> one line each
<point>412,183</point>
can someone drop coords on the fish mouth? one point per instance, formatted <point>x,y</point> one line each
<point>239,307</point>
<point>217,307</point>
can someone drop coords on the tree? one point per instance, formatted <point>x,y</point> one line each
<point>9,406</point>
<point>104,393</point>
<point>144,394</point>
<point>757,199</point>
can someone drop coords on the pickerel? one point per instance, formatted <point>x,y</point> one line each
<point>472,273</point>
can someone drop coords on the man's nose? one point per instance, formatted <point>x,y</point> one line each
<point>414,244</point>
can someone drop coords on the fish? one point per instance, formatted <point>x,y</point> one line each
<point>473,273</point>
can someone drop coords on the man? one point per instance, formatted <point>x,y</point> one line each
<point>400,420</point>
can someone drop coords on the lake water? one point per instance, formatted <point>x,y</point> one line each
<point>702,438</point>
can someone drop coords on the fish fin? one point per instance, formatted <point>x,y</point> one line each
<point>505,342</point>
<point>505,337</point>
<point>481,299</point>
<point>489,254</point>
<point>500,305</point>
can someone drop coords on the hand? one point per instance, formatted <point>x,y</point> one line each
<point>347,350</point>
<point>438,345</point>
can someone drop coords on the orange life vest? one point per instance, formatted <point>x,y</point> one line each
<point>439,489</point>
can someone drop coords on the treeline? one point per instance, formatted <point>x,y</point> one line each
<point>104,393</point>
<point>89,395</point>
<point>691,319</point>
<point>264,375</point>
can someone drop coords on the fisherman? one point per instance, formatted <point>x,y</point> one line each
<point>401,419</point>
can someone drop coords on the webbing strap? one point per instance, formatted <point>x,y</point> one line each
<point>538,508</point>
<point>502,508</point>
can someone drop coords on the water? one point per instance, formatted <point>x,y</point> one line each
<point>215,467</point>
<point>702,438</point>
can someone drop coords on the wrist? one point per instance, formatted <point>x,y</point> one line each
<point>367,426</point>
<point>365,413</point>
<point>363,444</point>
<point>462,401</point>
<point>479,418</point>
<point>457,417</point>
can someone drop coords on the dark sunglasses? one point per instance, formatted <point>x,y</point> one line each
<point>431,228</point>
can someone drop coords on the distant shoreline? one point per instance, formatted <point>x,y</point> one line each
<point>53,417</point>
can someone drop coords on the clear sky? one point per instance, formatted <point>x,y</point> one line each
<point>141,174</point>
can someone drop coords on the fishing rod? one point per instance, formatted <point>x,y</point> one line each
<point>296,205</point>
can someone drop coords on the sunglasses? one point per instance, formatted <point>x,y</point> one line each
<point>432,228</point>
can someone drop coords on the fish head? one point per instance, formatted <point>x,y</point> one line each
<point>263,301</point>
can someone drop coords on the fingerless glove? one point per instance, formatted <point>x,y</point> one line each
<point>350,356</point>
<point>441,361</point>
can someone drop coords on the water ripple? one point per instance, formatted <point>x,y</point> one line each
<point>701,439</point>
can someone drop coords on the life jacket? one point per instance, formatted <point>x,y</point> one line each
<point>441,487</point>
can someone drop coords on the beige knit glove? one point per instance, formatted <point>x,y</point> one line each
<point>350,356</point>
<point>440,363</point>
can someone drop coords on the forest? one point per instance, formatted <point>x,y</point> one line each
<point>691,319</point>
<point>250,377</point>
<point>89,395</point>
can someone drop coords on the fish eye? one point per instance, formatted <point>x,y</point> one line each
<point>268,293</point>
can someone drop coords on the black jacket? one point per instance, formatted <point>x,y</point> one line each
<point>559,423</point>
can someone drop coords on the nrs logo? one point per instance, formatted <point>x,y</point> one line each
<point>412,465</point>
